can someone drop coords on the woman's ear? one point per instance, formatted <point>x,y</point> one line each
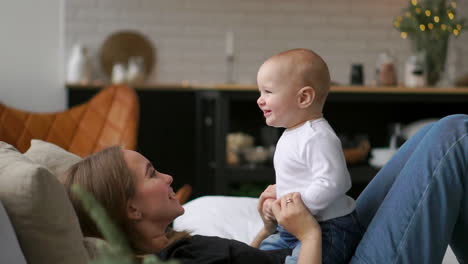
<point>132,211</point>
<point>306,96</point>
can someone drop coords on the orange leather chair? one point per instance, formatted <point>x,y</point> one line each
<point>109,118</point>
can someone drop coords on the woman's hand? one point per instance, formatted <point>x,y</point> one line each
<point>264,207</point>
<point>291,213</point>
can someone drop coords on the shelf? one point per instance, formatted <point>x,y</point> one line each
<point>247,173</point>
<point>253,88</point>
<point>202,116</point>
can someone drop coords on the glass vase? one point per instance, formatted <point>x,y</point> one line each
<point>435,56</point>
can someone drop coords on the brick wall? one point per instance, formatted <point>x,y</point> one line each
<point>190,34</point>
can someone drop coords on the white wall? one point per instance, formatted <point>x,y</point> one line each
<point>31,54</point>
<point>190,34</point>
<point>190,38</point>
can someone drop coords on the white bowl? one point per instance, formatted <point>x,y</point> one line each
<point>380,156</point>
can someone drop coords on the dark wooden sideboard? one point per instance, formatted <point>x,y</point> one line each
<point>183,128</point>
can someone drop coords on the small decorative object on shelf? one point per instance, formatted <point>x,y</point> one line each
<point>229,57</point>
<point>429,24</point>
<point>135,70</point>
<point>415,74</point>
<point>256,155</point>
<point>235,144</point>
<point>357,74</point>
<point>385,70</point>
<point>119,73</point>
<point>79,65</point>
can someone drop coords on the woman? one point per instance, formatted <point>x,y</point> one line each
<point>141,201</point>
<point>415,206</point>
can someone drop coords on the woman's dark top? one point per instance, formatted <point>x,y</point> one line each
<point>210,250</point>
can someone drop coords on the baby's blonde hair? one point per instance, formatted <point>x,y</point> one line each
<point>308,69</point>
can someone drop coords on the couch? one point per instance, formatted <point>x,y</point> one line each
<point>38,224</point>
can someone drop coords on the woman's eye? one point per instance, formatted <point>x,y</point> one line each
<point>153,174</point>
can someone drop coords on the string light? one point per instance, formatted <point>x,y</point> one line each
<point>422,19</point>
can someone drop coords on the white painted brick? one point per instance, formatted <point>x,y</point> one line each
<point>98,14</point>
<point>163,4</point>
<point>283,32</point>
<point>368,33</point>
<point>124,4</point>
<point>326,33</point>
<point>80,4</point>
<point>266,18</point>
<point>305,19</point>
<point>189,35</point>
<point>150,17</point>
<point>346,21</point>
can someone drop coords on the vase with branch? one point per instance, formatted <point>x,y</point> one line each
<point>429,24</point>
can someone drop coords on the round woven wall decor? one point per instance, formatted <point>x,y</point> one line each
<point>122,45</point>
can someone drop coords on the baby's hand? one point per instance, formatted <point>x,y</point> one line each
<point>266,200</point>
<point>267,209</point>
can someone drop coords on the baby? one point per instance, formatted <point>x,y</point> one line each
<point>309,158</point>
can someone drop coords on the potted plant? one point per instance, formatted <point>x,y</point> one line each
<point>429,25</point>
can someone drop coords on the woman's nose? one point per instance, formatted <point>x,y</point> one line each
<point>169,178</point>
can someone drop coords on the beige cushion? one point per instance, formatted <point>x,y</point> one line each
<point>53,157</point>
<point>10,250</point>
<point>40,211</point>
<point>58,160</point>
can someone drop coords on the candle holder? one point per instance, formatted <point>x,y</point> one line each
<point>230,69</point>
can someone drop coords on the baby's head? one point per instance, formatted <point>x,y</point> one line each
<point>294,85</point>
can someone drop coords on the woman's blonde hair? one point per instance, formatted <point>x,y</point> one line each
<point>107,177</point>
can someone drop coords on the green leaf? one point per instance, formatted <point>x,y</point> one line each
<point>118,250</point>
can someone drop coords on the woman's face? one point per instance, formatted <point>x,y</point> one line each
<point>154,197</point>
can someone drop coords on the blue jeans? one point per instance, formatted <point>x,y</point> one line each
<point>417,204</point>
<point>340,236</point>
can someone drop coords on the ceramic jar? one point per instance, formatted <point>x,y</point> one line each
<point>79,65</point>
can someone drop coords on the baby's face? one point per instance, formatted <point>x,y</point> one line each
<point>278,95</point>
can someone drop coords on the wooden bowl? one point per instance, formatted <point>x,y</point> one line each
<point>122,45</point>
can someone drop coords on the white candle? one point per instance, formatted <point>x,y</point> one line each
<point>229,43</point>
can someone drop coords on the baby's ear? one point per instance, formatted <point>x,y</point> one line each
<point>306,96</point>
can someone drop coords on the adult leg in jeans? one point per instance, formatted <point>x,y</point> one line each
<point>418,201</point>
